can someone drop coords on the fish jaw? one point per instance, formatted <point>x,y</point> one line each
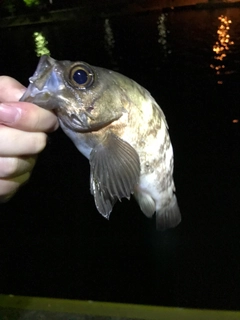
<point>80,140</point>
<point>44,84</point>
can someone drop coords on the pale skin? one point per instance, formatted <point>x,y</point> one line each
<point>23,135</point>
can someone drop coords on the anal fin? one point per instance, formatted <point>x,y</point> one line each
<point>168,217</point>
<point>146,203</point>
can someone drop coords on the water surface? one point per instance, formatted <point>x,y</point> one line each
<point>54,243</point>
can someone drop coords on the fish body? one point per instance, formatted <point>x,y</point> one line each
<point>119,127</point>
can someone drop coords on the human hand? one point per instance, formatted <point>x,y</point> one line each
<point>23,128</point>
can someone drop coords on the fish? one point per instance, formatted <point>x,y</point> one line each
<point>119,127</point>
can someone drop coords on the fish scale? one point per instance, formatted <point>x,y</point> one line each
<point>119,127</point>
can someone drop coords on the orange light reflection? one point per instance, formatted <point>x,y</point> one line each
<point>222,45</point>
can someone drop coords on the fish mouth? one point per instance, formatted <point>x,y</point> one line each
<point>44,82</point>
<point>78,123</point>
<point>82,122</point>
<point>46,90</point>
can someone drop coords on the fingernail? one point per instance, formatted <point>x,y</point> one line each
<point>8,113</point>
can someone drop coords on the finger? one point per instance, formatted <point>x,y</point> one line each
<point>11,167</point>
<point>27,116</point>
<point>14,142</point>
<point>10,89</point>
<point>9,187</point>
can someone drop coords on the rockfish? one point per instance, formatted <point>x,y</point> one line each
<point>119,127</point>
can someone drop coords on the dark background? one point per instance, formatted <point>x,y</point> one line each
<point>54,243</point>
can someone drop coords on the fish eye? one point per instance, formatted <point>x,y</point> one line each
<point>81,76</point>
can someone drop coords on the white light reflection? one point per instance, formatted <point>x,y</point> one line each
<point>109,38</point>
<point>162,32</point>
<point>222,45</point>
<point>40,44</point>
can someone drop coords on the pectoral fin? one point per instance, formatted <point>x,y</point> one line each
<point>115,170</point>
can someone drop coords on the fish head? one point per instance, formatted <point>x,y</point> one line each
<point>84,97</point>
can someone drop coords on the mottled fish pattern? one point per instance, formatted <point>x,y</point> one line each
<point>119,127</point>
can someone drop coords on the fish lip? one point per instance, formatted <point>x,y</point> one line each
<point>43,73</point>
<point>36,86</point>
<point>40,98</point>
<point>27,94</point>
<point>44,82</point>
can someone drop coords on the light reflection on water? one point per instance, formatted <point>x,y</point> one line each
<point>222,46</point>
<point>162,32</point>
<point>40,44</point>
<point>109,37</point>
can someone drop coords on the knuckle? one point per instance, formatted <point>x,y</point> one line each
<point>4,80</point>
<point>7,189</point>
<point>24,178</point>
<point>38,143</point>
<point>8,167</point>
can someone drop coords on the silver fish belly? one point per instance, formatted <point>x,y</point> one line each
<point>119,127</point>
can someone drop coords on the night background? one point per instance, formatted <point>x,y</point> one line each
<point>53,241</point>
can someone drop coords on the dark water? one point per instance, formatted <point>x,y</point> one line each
<point>53,241</point>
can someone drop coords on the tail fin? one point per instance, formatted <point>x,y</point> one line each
<point>168,217</point>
